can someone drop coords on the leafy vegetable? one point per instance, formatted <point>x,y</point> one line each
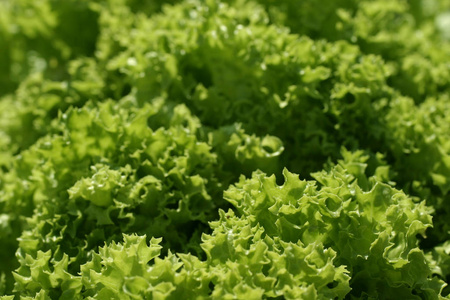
<point>150,149</point>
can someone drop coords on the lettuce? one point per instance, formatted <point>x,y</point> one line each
<point>145,149</point>
<point>301,240</point>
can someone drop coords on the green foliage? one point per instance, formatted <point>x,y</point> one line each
<point>145,149</point>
